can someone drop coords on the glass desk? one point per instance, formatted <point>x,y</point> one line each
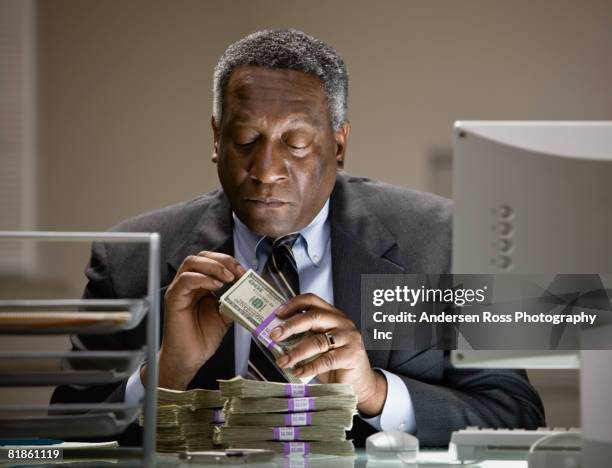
<point>119,458</point>
<point>425,458</point>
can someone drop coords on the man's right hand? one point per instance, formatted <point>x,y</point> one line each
<point>193,327</point>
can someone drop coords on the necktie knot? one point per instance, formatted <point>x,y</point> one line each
<point>284,241</point>
<point>281,269</point>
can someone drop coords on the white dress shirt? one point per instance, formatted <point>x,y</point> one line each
<point>312,252</point>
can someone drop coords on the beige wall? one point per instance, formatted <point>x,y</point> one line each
<point>125,86</point>
<point>125,91</point>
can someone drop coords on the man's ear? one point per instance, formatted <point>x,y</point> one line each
<point>215,154</point>
<point>341,136</point>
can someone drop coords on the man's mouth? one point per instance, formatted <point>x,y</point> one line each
<point>269,202</point>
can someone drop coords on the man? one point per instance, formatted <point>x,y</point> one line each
<point>280,138</point>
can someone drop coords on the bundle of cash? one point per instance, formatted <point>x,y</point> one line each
<point>178,416</point>
<point>314,418</point>
<point>290,405</point>
<point>341,418</point>
<point>342,448</point>
<point>232,435</point>
<point>252,302</point>
<point>189,437</point>
<point>195,399</point>
<point>245,388</point>
<point>186,419</point>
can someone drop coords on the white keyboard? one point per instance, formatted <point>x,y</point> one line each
<point>473,443</point>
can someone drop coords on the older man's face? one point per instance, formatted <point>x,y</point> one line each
<point>276,152</point>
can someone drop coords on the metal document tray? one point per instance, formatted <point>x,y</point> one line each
<point>65,421</point>
<point>73,367</point>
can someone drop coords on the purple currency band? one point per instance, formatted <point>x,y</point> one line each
<point>298,419</point>
<point>218,416</point>
<point>295,448</point>
<point>285,433</point>
<point>295,405</point>
<point>264,338</point>
<point>296,390</point>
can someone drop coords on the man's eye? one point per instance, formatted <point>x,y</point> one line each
<point>297,144</point>
<point>245,143</point>
<point>298,140</point>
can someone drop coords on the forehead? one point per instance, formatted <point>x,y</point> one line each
<point>264,93</point>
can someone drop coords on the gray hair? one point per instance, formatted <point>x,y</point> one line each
<point>288,49</point>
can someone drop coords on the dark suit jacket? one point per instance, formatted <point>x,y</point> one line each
<point>375,228</point>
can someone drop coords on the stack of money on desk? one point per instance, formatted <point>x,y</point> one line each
<point>186,420</point>
<point>287,418</point>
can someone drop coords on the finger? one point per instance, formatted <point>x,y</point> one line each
<point>339,358</point>
<point>188,282</point>
<point>227,261</point>
<point>314,319</point>
<point>208,302</point>
<point>300,303</point>
<point>207,266</point>
<point>311,346</point>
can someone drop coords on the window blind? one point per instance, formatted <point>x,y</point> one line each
<point>17,132</point>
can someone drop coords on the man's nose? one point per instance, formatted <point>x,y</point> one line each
<point>268,164</point>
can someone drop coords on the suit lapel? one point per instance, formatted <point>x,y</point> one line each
<point>360,244</point>
<point>212,232</point>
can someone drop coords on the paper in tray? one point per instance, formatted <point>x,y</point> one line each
<point>70,316</point>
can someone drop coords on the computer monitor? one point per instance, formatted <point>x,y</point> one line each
<point>532,197</point>
<point>536,197</point>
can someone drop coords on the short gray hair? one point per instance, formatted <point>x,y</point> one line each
<point>288,49</point>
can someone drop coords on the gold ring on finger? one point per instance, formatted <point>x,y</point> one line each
<point>331,341</point>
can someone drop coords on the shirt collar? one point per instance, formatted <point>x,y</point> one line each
<point>247,239</point>
<point>315,236</point>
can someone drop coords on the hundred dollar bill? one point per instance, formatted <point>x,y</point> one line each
<point>252,302</point>
<point>344,448</point>
<point>291,405</point>
<point>245,388</point>
<point>181,439</point>
<point>226,435</point>
<point>180,416</point>
<point>194,399</point>
<point>333,417</point>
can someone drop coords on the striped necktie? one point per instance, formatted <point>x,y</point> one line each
<point>281,272</point>
<point>280,269</point>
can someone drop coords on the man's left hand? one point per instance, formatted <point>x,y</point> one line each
<point>345,362</point>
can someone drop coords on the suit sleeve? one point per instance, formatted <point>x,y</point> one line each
<point>457,398</point>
